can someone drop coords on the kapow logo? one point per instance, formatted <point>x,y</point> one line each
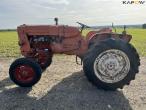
<point>134,2</point>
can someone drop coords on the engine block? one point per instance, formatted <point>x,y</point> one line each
<point>43,42</point>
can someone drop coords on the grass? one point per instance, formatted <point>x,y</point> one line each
<point>9,42</point>
<point>138,39</point>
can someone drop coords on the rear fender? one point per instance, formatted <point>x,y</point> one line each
<point>99,37</point>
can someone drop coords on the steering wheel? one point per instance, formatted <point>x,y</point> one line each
<point>83,25</point>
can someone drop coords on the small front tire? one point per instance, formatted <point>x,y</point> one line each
<point>25,72</point>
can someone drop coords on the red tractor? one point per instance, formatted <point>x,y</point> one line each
<point>109,60</point>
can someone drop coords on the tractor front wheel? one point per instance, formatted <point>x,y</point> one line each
<point>25,72</point>
<point>44,59</point>
<point>111,64</point>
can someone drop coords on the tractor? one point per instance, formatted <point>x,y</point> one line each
<point>109,60</point>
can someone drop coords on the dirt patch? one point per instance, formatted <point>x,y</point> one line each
<point>63,86</point>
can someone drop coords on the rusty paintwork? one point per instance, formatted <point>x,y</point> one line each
<point>67,39</point>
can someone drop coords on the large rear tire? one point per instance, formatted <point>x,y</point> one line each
<point>111,64</point>
<point>25,72</point>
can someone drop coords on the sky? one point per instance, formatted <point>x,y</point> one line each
<point>92,12</point>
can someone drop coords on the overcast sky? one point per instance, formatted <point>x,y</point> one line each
<point>91,12</point>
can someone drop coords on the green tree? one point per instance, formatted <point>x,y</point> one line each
<point>144,26</point>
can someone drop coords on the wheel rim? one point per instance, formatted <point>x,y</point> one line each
<point>112,66</point>
<point>24,74</point>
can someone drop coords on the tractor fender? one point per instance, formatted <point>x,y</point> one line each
<point>96,37</point>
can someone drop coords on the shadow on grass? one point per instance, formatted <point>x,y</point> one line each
<point>72,93</point>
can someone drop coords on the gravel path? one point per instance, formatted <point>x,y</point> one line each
<point>64,87</point>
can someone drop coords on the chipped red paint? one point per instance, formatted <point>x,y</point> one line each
<point>70,41</point>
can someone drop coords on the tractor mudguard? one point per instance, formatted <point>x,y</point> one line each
<point>103,36</point>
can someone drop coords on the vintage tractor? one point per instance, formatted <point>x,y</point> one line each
<point>109,60</point>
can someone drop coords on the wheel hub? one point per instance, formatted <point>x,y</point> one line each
<point>112,66</point>
<point>24,73</point>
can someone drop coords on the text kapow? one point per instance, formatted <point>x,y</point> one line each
<point>134,2</point>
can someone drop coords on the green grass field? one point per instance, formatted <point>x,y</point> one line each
<point>138,39</point>
<point>9,42</point>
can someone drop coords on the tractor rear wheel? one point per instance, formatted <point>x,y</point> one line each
<point>111,64</point>
<point>25,72</point>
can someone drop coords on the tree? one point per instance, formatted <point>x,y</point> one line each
<point>144,26</point>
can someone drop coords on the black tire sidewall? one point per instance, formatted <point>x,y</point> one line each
<point>98,49</point>
<point>32,64</point>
